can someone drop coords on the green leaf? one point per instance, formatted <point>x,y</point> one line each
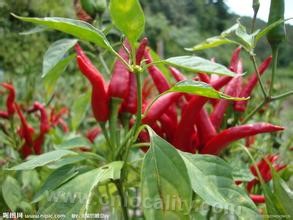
<point>43,159</point>
<point>211,178</point>
<point>11,192</point>
<point>75,196</point>
<point>283,194</point>
<point>245,39</point>
<point>79,109</point>
<point>164,179</point>
<point>77,28</point>
<point>267,29</point>
<point>75,142</point>
<point>54,180</point>
<point>211,43</point>
<point>216,40</point>
<point>65,161</point>
<point>200,88</point>
<point>128,17</point>
<point>34,30</point>
<point>52,76</point>
<point>198,64</point>
<point>56,53</point>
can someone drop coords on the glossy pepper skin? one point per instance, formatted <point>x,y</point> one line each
<point>130,102</point>
<point>44,127</point>
<point>26,132</point>
<point>119,83</point>
<point>205,128</point>
<point>277,35</point>
<point>10,101</point>
<point>100,98</point>
<point>224,138</point>
<point>257,198</point>
<point>251,84</point>
<point>160,107</point>
<point>158,77</point>
<point>186,125</point>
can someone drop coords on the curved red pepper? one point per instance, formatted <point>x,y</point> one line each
<point>185,128</point>
<point>168,126</point>
<point>219,111</point>
<point>44,125</point>
<point>252,82</point>
<point>158,77</point>
<point>100,98</point>
<point>257,198</point>
<point>93,133</point>
<point>186,125</point>
<point>141,50</point>
<point>219,142</point>
<point>10,99</point>
<point>178,76</point>
<point>160,107</point>
<point>26,132</point>
<point>55,119</point>
<point>204,77</point>
<point>119,83</point>
<point>130,103</point>
<point>234,62</point>
<point>205,128</point>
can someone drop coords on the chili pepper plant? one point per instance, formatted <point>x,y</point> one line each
<point>164,139</point>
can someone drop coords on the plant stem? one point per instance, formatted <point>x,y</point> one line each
<point>258,75</point>
<point>275,63</point>
<point>124,209</point>
<point>115,104</point>
<point>139,101</point>
<point>105,133</point>
<point>277,97</point>
<point>252,113</point>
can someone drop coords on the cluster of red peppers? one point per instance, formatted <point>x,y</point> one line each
<point>32,143</point>
<point>181,119</point>
<point>266,174</point>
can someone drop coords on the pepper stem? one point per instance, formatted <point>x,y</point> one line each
<point>115,105</point>
<point>275,51</point>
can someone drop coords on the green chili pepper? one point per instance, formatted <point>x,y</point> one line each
<point>277,34</point>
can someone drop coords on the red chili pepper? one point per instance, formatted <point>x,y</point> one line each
<point>178,76</point>
<point>204,77</point>
<point>186,125</point>
<point>141,50</point>
<point>157,76</point>
<point>55,119</point>
<point>257,198</point>
<point>220,109</point>
<point>160,107</point>
<point>219,142</point>
<point>38,143</point>
<point>119,83</point>
<point>93,133</point>
<point>130,103</point>
<point>185,128</point>
<point>100,98</point>
<point>168,126</point>
<point>205,128</point>
<point>44,125</point>
<point>26,132</point>
<point>4,115</point>
<point>10,99</point>
<point>265,170</point>
<point>252,82</point>
<point>234,62</point>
